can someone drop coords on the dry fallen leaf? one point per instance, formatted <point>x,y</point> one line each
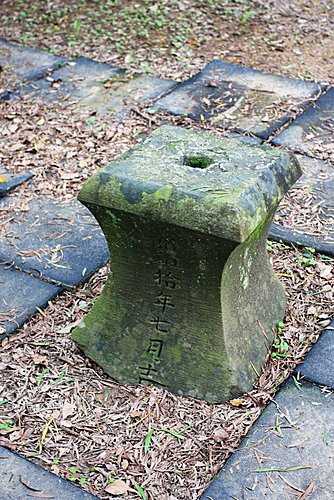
<point>236,402</point>
<point>27,485</point>
<point>325,270</point>
<point>220,434</point>
<point>118,487</point>
<point>124,464</point>
<point>311,310</point>
<point>67,176</point>
<point>68,409</point>
<point>40,360</point>
<point>39,495</point>
<point>135,413</point>
<point>308,492</point>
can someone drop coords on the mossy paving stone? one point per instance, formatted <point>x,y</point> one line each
<point>317,187</point>
<point>313,129</point>
<point>60,242</point>
<point>295,437</point>
<point>98,87</point>
<point>21,479</point>
<point>186,216</point>
<point>8,181</point>
<point>239,98</point>
<point>79,79</point>
<point>21,64</point>
<point>20,294</point>
<point>318,365</point>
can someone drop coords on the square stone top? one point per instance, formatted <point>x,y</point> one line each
<point>196,180</point>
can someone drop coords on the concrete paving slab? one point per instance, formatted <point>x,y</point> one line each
<point>97,87</point>
<point>289,449</point>
<point>60,242</point>
<point>23,480</point>
<point>313,130</point>
<point>135,90</point>
<point>247,139</point>
<point>8,181</point>
<point>77,81</point>
<point>239,98</point>
<point>20,294</point>
<point>319,363</point>
<point>313,192</point>
<point>21,64</point>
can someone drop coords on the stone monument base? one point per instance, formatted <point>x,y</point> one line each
<point>191,303</point>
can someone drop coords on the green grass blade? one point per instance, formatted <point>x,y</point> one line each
<point>142,493</point>
<point>148,440</point>
<point>42,375</point>
<point>173,433</point>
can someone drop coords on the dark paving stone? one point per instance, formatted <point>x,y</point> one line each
<point>288,236</point>
<point>319,363</point>
<point>12,181</point>
<point>20,295</point>
<point>310,204</point>
<point>297,432</point>
<point>59,242</point>
<point>98,87</point>
<point>247,139</point>
<point>312,132</point>
<point>22,64</point>
<point>23,480</point>
<point>78,80</point>
<point>239,98</point>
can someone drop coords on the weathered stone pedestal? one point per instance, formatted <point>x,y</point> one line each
<point>191,301</point>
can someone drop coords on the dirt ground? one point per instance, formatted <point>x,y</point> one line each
<point>58,408</point>
<point>176,38</point>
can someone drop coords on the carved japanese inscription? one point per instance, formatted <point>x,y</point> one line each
<point>165,281</point>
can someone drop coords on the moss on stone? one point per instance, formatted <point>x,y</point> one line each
<point>224,292</point>
<point>162,194</point>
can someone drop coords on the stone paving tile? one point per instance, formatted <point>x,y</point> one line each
<point>247,139</point>
<point>12,181</point>
<point>59,242</point>
<point>98,87</point>
<point>287,235</point>
<point>313,129</point>
<point>296,432</point>
<point>20,295</point>
<point>79,80</point>
<point>22,64</point>
<point>319,363</point>
<point>23,480</point>
<point>317,184</point>
<point>239,98</point>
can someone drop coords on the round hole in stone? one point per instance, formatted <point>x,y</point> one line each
<point>197,161</point>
